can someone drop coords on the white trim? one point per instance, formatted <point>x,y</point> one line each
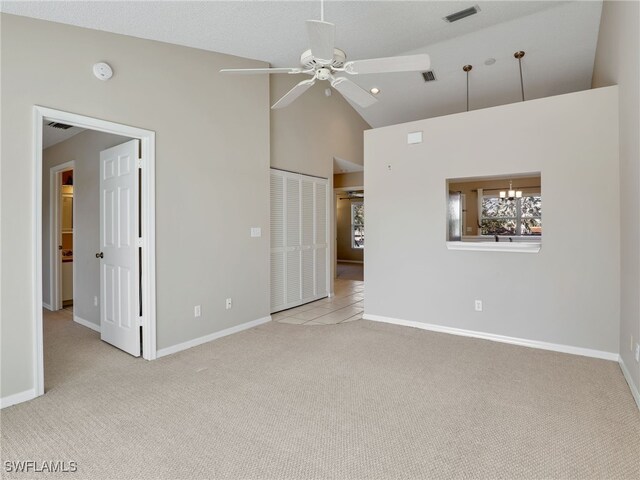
<point>36,249</point>
<point>515,247</point>
<point>47,306</point>
<point>147,140</point>
<point>17,398</point>
<point>632,386</point>
<point>55,272</point>
<point>212,336</point>
<point>555,347</point>
<point>86,323</point>
<point>350,261</point>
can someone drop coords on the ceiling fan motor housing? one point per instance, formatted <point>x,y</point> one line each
<point>308,61</point>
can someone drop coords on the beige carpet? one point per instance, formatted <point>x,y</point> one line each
<point>359,400</point>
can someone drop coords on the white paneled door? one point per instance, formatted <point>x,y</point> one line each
<point>299,239</point>
<point>119,254</point>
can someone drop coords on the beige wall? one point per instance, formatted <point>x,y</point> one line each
<point>84,149</point>
<point>343,232</point>
<point>306,135</point>
<point>343,180</point>
<point>212,181</point>
<point>618,63</point>
<point>470,190</point>
<point>569,291</point>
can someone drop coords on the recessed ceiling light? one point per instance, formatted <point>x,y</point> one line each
<point>375,90</point>
<point>490,61</point>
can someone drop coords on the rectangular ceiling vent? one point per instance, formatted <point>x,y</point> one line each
<point>61,126</point>
<point>467,12</point>
<point>429,76</point>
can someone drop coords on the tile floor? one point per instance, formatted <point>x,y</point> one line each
<point>346,305</point>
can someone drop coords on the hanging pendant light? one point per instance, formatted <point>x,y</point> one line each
<point>511,193</point>
<point>519,56</point>
<point>467,69</point>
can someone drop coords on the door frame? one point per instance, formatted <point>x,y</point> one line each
<point>55,270</point>
<point>147,197</point>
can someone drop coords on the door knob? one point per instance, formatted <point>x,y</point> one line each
<point>100,255</point>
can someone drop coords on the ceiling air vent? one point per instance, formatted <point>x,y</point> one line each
<point>454,17</point>
<point>429,76</point>
<point>61,126</point>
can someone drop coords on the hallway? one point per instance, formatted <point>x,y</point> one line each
<point>347,305</point>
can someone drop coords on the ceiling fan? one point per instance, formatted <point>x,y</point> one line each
<point>322,61</point>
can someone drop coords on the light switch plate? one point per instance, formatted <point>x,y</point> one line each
<point>256,232</point>
<point>414,137</point>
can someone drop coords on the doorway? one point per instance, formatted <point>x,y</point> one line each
<point>61,215</point>
<point>350,234</point>
<point>138,220</point>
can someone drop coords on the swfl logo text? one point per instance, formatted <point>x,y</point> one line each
<point>32,466</point>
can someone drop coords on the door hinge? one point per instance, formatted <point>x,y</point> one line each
<point>139,322</point>
<point>139,162</point>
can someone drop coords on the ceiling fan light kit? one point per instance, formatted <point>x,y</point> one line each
<point>323,61</point>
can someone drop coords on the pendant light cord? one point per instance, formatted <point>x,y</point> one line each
<point>467,69</point>
<point>521,81</point>
<point>519,56</point>
<point>322,10</point>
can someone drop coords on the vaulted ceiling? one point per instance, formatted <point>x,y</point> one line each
<point>559,39</point>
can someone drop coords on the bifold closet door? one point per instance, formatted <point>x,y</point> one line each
<point>293,280</point>
<point>278,264</point>
<point>321,240</point>
<point>299,239</point>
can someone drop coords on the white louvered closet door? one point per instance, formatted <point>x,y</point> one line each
<point>299,239</point>
<point>307,216</point>
<point>293,280</point>
<point>278,276</point>
<point>321,240</point>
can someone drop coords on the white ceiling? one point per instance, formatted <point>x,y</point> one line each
<point>559,38</point>
<point>51,136</point>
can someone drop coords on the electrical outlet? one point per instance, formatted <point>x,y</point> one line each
<point>638,352</point>
<point>95,301</point>
<point>197,311</point>
<point>228,304</point>
<point>478,305</point>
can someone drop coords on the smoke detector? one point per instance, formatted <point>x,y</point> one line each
<point>102,71</point>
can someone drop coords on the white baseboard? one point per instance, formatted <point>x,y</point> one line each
<point>17,398</point>
<point>213,336</point>
<point>555,347</point>
<point>351,261</point>
<point>47,306</point>
<point>86,323</point>
<point>632,386</point>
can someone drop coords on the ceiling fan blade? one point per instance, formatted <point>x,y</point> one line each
<point>294,93</point>
<point>321,40</point>
<point>407,63</point>
<point>353,92</point>
<point>251,71</point>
